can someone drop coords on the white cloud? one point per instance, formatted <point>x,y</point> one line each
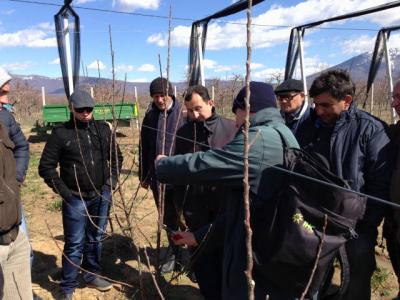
<point>312,65</point>
<point>228,35</point>
<point>209,64</point>
<point>39,36</point>
<point>55,61</point>
<point>365,43</point>
<point>269,73</point>
<point>147,68</point>
<point>17,66</point>
<point>124,68</point>
<point>138,80</point>
<point>96,64</point>
<point>132,5</point>
<point>256,66</point>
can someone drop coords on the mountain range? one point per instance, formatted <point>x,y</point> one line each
<point>358,66</point>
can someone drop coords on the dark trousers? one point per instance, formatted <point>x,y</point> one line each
<point>171,218</point>
<point>207,267</point>
<point>82,238</point>
<point>361,256</point>
<point>390,232</point>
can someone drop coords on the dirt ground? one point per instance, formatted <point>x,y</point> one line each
<point>42,209</point>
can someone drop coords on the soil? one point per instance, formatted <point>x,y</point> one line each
<point>42,210</point>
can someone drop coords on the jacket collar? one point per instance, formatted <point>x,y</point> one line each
<point>270,114</point>
<point>80,124</point>
<point>298,114</point>
<point>344,117</point>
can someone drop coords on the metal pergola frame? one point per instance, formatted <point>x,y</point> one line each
<point>381,51</point>
<point>295,47</point>
<point>198,40</point>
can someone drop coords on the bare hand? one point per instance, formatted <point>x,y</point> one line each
<point>158,158</point>
<point>184,238</point>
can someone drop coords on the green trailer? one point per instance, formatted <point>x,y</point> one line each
<point>125,113</point>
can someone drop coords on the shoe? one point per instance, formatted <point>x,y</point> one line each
<point>169,264</point>
<point>66,296</point>
<point>100,284</point>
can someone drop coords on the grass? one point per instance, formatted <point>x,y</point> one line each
<point>54,205</point>
<point>378,280</point>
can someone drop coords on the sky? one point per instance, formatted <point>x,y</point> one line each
<point>28,44</point>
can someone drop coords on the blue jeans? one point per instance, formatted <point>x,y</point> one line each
<point>24,229</point>
<point>82,239</point>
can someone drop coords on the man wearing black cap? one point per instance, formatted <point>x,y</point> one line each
<point>225,166</point>
<point>164,112</point>
<point>291,98</point>
<point>81,148</point>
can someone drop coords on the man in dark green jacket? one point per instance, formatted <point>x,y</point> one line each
<point>225,167</point>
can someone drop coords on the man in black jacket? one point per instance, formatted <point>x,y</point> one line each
<point>166,111</point>
<point>202,203</point>
<point>81,147</point>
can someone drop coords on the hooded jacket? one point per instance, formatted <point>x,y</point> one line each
<point>359,152</point>
<point>83,154</point>
<point>225,167</point>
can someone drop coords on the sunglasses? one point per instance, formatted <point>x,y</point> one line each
<point>288,97</point>
<point>82,109</point>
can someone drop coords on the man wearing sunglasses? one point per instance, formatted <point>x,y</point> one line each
<point>294,107</point>
<point>84,149</point>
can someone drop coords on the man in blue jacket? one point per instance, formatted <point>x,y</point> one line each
<point>225,166</point>
<point>356,146</point>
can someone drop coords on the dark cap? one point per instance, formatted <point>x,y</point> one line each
<point>261,96</point>
<point>81,99</point>
<point>159,85</point>
<point>289,85</point>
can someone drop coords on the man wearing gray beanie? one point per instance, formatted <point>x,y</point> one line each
<point>226,166</point>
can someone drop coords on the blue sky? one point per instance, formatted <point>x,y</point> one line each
<point>28,45</point>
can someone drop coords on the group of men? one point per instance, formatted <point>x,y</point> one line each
<point>198,155</point>
<point>204,174</point>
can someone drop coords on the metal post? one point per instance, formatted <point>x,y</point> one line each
<point>137,108</point>
<point>92,92</point>
<point>389,74</point>
<point>212,92</point>
<point>68,55</point>
<point>43,97</point>
<point>371,109</point>
<point>302,68</point>
<point>201,62</point>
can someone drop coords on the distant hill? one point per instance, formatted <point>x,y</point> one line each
<point>358,66</point>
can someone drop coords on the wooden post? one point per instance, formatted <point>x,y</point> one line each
<point>43,97</point>
<point>137,108</point>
